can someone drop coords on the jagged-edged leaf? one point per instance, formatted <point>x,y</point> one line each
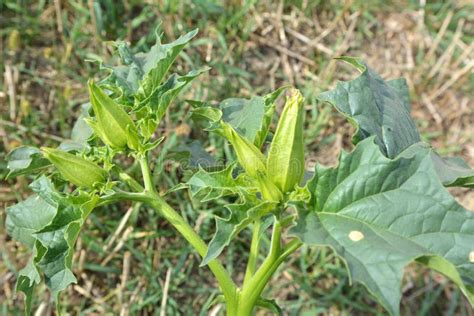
<point>192,155</point>
<point>211,185</point>
<point>49,223</point>
<point>452,171</point>
<point>241,215</point>
<point>27,217</point>
<point>25,160</point>
<point>162,96</point>
<point>154,107</point>
<point>376,108</point>
<point>380,214</point>
<point>382,109</point>
<point>159,59</point>
<point>148,67</point>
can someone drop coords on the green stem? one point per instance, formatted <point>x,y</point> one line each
<point>228,287</point>
<point>253,255</point>
<point>254,288</point>
<point>130,181</point>
<point>147,179</point>
<point>119,195</point>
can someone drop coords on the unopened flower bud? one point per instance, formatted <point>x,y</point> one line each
<point>113,125</point>
<point>248,155</point>
<point>77,170</point>
<point>285,163</point>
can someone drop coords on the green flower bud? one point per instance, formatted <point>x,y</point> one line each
<point>77,170</point>
<point>285,163</point>
<point>113,125</point>
<point>269,191</point>
<point>249,156</point>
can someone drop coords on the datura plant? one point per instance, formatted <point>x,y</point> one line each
<point>383,206</point>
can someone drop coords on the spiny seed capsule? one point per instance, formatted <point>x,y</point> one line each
<point>285,163</point>
<point>249,156</point>
<point>113,125</point>
<point>76,170</point>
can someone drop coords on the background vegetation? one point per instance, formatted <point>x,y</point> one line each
<point>128,261</point>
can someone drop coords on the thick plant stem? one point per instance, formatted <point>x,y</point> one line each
<point>253,255</point>
<point>228,287</point>
<point>253,290</point>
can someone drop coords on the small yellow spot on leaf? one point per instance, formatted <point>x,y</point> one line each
<point>356,235</point>
<point>471,256</point>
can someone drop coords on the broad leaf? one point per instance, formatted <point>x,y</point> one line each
<point>377,108</point>
<point>25,160</point>
<point>382,109</point>
<point>204,116</point>
<point>27,217</point>
<point>380,214</point>
<point>452,171</point>
<point>49,223</point>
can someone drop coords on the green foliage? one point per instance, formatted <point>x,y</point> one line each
<point>25,160</point>
<point>384,206</point>
<point>48,223</point>
<point>380,214</point>
<point>382,109</point>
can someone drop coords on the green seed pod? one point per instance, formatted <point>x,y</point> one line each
<point>77,170</point>
<point>285,163</point>
<point>113,125</point>
<point>249,156</point>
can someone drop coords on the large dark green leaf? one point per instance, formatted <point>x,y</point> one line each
<point>377,108</point>
<point>382,109</point>
<point>452,171</point>
<point>25,160</point>
<point>49,223</point>
<point>380,214</point>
